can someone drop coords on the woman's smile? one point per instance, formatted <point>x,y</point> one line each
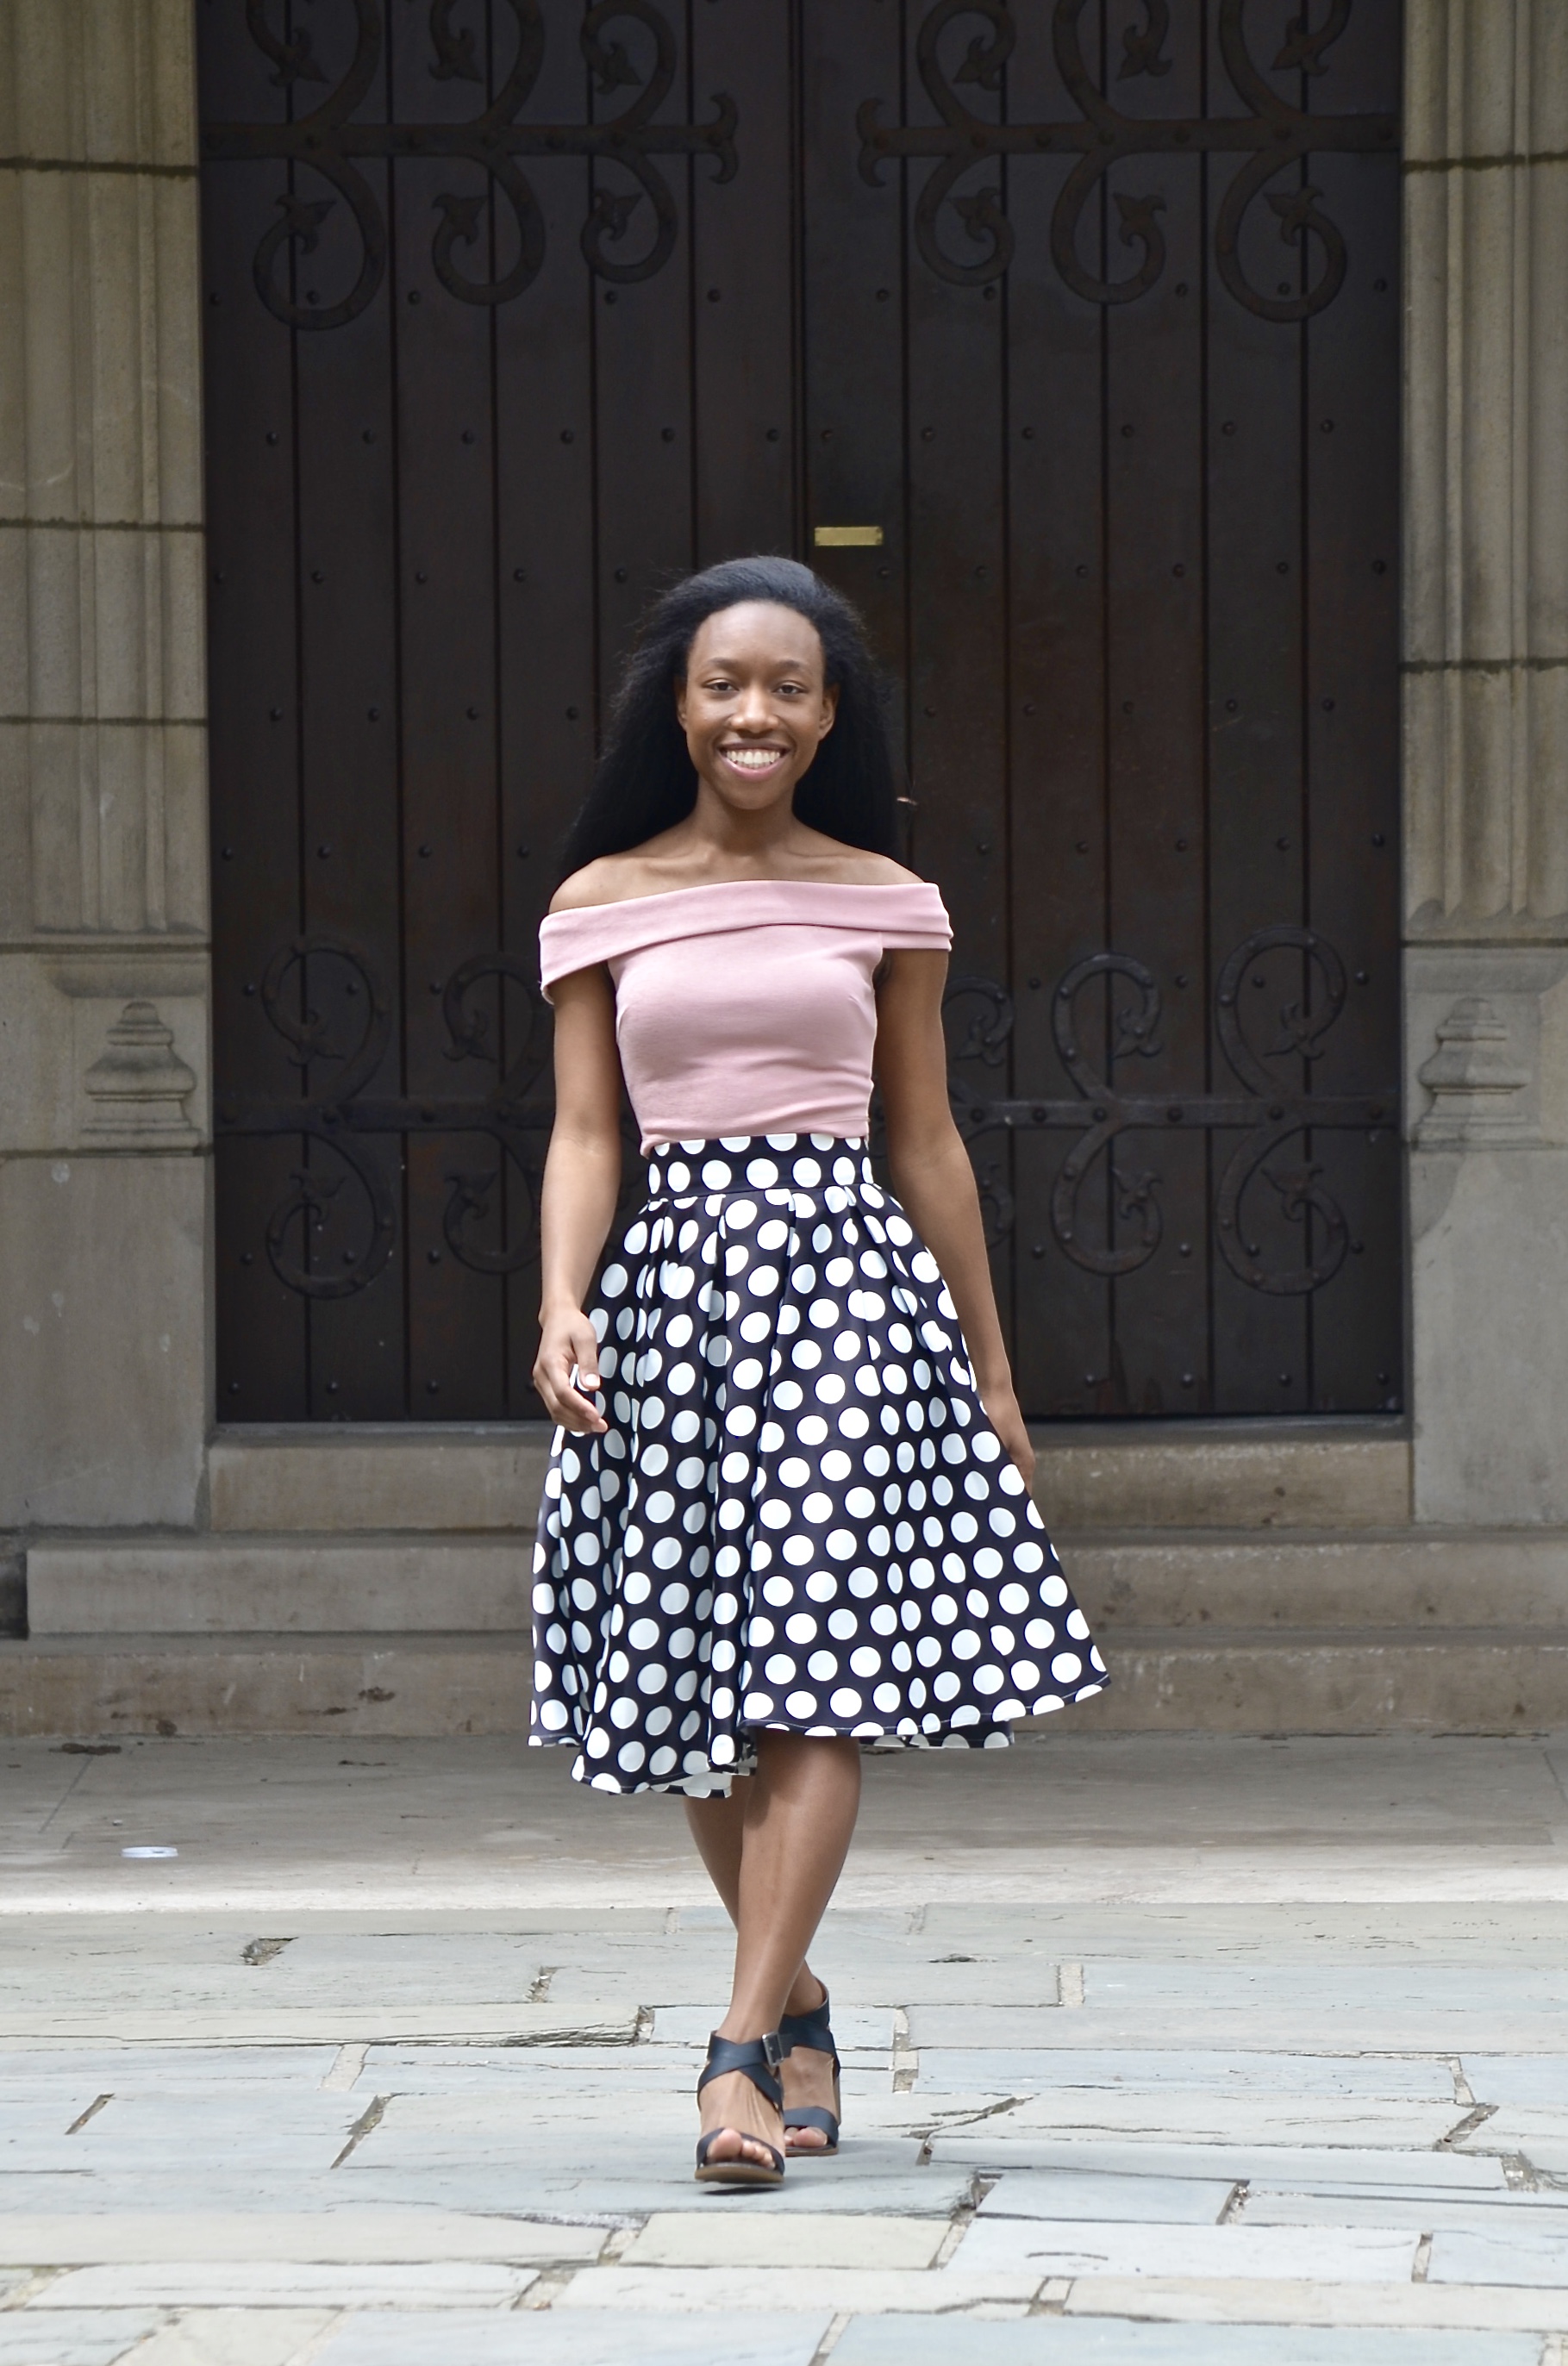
<point>746,755</point>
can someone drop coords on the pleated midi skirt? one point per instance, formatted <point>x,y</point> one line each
<point>799,1517</point>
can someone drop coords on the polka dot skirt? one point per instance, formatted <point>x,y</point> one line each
<point>799,1517</point>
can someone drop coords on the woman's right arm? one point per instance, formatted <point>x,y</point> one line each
<point>583,1179</point>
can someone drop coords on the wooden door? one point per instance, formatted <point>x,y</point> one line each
<point>1065,340</point>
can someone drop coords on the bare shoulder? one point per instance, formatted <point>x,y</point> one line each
<point>882,872</point>
<point>855,866</point>
<point>609,880</point>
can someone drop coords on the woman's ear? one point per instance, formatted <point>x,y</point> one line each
<point>829,709</point>
<point>681,700</point>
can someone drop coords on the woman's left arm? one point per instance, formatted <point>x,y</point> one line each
<point>932,1177</point>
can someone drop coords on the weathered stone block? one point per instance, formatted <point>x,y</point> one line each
<point>103,1377</point>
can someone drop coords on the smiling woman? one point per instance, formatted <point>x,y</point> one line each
<point>787,1512</point>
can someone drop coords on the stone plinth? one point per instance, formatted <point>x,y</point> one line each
<point>102,774</point>
<point>1487,756</point>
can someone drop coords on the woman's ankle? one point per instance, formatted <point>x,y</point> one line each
<point>809,1995</point>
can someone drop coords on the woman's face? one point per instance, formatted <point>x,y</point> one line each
<point>754,705</point>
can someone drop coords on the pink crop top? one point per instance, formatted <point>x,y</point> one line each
<point>746,1007</point>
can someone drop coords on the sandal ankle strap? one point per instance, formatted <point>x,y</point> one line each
<point>811,2028</point>
<point>757,2058</point>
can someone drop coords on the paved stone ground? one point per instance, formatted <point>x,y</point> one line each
<point>1169,2052</point>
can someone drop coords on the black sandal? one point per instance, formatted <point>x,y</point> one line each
<point>811,2028</point>
<point>757,2058</point>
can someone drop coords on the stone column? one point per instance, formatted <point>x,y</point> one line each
<point>1486,754</point>
<point>103,797</point>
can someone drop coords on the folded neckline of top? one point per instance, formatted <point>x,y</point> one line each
<point>723,886</point>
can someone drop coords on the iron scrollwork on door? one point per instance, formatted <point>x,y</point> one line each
<point>329,142</point>
<point>1266,1113</point>
<point>337,1114</point>
<point>1272,136</point>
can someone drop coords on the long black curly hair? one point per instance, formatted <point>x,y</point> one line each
<point>644,782</point>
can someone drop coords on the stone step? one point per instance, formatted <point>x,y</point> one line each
<point>265,1478</point>
<point>395,1685</point>
<point>1336,1681</point>
<point>1301,1582</point>
<point>1232,1475</point>
<point>1243,1474</point>
<point>185,1584</point>
<point>1407,1578</point>
<point>1362,1680</point>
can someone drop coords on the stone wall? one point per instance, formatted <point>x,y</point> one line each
<point>103,1062</point>
<point>1486,754</point>
<point>103,779</point>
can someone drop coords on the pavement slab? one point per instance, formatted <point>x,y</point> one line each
<point>292,2283</point>
<point>1331,2255</point>
<point>1049,2070</point>
<point>75,2337</point>
<point>236,2336</point>
<point>395,2063</point>
<point>808,2287</point>
<point>1046,2341</point>
<point>152,2236</point>
<point>574,2337</point>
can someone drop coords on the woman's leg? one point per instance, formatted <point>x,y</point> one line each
<point>776,1852</point>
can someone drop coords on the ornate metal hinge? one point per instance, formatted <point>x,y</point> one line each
<point>328,142</point>
<point>338,1113</point>
<point>1268,1113</point>
<point>1274,136</point>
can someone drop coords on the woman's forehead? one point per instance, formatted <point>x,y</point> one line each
<point>758,630</point>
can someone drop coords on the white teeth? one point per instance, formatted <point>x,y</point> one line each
<point>753,760</point>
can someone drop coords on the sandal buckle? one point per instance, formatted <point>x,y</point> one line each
<point>772,2049</point>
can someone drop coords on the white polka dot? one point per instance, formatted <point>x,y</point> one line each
<point>798,1551</point>
<point>829,1388</point>
<point>1066,1667</point>
<point>843,1703</point>
<point>787,1394</point>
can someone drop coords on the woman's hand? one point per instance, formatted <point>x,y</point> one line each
<point>567,1339</point>
<point>1003,1413</point>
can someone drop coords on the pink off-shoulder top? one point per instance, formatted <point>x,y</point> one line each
<point>747,1007</point>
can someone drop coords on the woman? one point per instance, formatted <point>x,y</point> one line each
<point>787,1511</point>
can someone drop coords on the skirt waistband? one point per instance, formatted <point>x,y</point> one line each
<point>759,1162</point>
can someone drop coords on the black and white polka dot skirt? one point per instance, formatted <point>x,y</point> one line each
<point>799,1517</point>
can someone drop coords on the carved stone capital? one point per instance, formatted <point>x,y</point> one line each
<point>138,1087</point>
<point>1476,1079</point>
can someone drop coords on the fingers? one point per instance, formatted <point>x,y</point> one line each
<point>567,1377</point>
